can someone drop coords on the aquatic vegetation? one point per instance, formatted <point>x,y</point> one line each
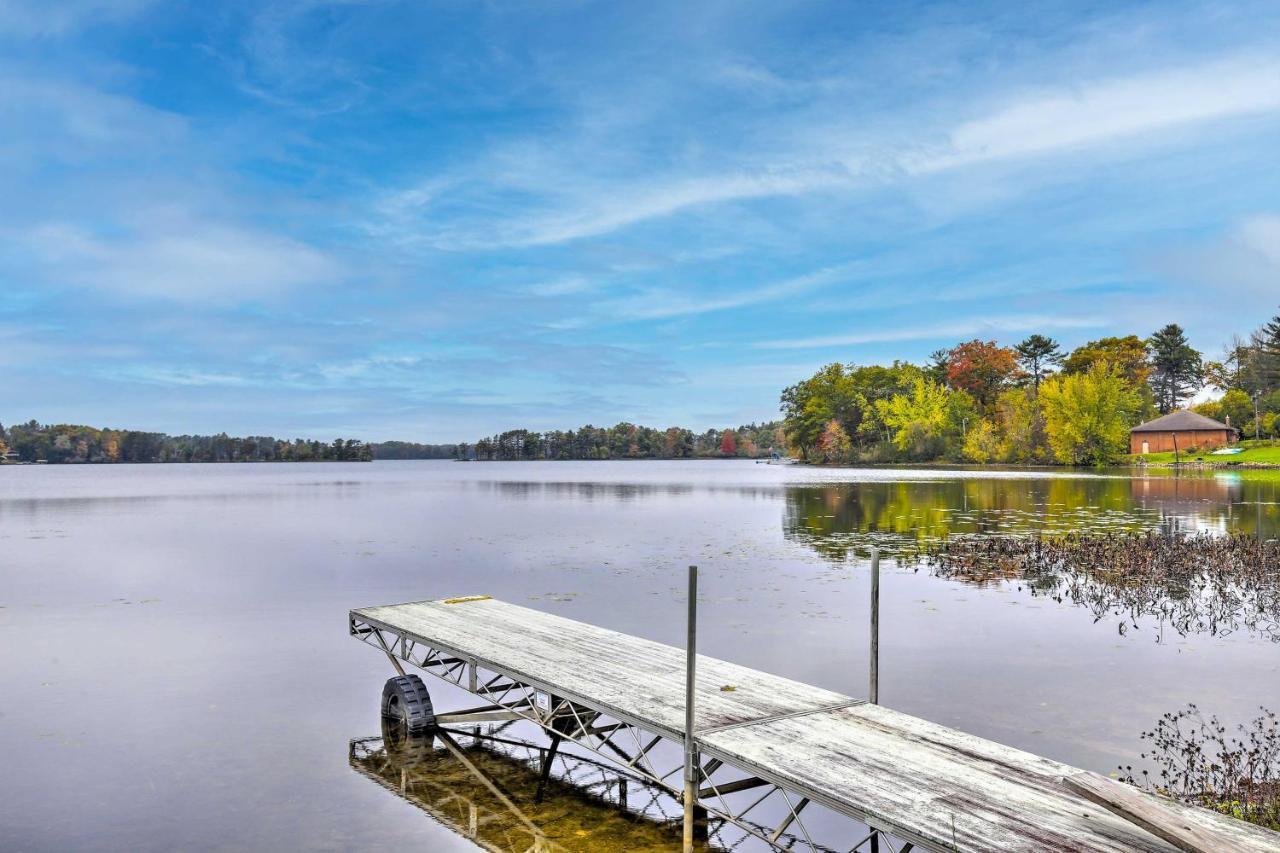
<point>1199,763</point>
<point>1198,583</point>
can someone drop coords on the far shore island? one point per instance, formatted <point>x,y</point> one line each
<point>33,443</point>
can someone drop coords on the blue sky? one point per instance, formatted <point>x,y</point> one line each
<point>433,220</point>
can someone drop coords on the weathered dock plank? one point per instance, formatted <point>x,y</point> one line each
<point>638,678</point>
<point>948,789</point>
<point>1153,815</point>
<point>938,787</point>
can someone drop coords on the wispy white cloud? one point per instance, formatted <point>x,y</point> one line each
<point>43,117</point>
<point>664,304</point>
<point>1242,266</point>
<point>184,262</point>
<point>152,375</point>
<point>373,367</point>
<point>547,201</point>
<point>589,209</point>
<point>1108,110</point>
<point>43,18</point>
<point>629,205</point>
<point>958,329</point>
<point>291,57</point>
<point>1261,234</point>
<point>563,286</point>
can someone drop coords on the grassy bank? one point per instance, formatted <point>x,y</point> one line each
<point>1262,453</point>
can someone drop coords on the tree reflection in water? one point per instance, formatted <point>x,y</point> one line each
<point>1197,554</point>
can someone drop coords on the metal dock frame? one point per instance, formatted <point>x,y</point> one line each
<point>625,740</point>
<point>766,749</point>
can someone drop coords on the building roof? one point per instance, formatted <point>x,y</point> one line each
<point>1182,421</point>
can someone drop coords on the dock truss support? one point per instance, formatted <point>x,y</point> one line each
<point>759,807</point>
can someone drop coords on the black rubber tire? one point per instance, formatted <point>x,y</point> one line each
<point>407,749</point>
<point>405,699</point>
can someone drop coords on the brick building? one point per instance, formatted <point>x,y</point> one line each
<point>1179,431</point>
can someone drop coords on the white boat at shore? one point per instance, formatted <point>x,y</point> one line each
<point>777,459</point>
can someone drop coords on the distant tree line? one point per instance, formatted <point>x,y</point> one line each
<point>71,443</point>
<point>1028,403</point>
<point>629,441</point>
<point>412,450</point>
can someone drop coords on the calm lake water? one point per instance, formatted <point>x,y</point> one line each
<point>175,669</point>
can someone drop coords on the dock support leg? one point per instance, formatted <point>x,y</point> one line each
<point>547,758</point>
<point>690,748</point>
<point>875,627</point>
<point>390,656</point>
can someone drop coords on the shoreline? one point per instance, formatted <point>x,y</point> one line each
<point>1210,466</point>
<point>1197,465</point>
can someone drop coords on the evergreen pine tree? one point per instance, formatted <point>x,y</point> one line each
<point>1036,355</point>
<point>1177,367</point>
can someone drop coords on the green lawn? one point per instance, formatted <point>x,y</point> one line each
<point>1253,452</point>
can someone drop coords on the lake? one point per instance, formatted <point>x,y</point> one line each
<point>176,670</point>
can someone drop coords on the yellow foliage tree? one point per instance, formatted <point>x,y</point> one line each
<point>1020,425</point>
<point>982,443</point>
<point>1088,415</point>
<point>919,420</point>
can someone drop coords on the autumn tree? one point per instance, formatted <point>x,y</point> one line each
<point>1037,356</point>
<point>1020,423</point>
<point>918,420</point>
<point>728,443</point>
<point>1088,415</point>
<point>808,406</point>
<point>1177,369</point>
<point>962,415</point>
<point>982,368</point>
<point>982,443</point>
<point>1127,354</point>
<point>873,383</point>
<point>834,444</point>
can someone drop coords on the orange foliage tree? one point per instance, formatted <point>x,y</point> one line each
<point>983,368</point>
<point>728,444</point>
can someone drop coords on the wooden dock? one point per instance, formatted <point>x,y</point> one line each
<point>769,750</point>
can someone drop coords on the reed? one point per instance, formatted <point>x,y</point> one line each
<point>1199,762</point>
<point>1192,583</point>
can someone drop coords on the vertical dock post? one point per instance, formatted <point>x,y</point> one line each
<point>875,626</point>
<point>690,680</point>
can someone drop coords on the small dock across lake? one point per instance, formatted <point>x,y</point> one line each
<point>770,753</point>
